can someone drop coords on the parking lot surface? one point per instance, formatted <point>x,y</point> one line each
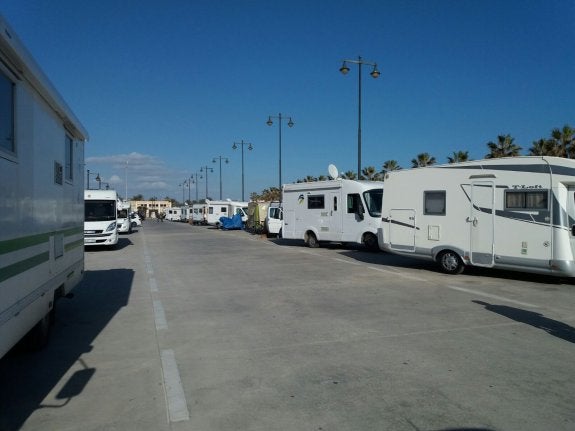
<point>191,328</point>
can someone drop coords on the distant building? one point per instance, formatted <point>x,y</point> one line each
<point>150,209</point>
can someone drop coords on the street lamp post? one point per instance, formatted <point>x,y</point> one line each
<point>374,73</point>
<point>235,147</point>
<point>214,161</point>
<point>290,124</point>
<point>88,173</point>
<point>195,181</point>
<point>206,169</point>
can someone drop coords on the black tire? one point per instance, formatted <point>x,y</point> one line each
<point>370,242</point>
<point>312,241</point>
<point>280,233</point>
<point>450,262</point>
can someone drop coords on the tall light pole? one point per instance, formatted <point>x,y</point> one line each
<point>183,186</point>
<point>374,73</point>
<point>235,147</point>
<point>214,161</point>
<point>206,169</point>
<point>97,179</point>
<point>195,181</point>
<point>290,124</point>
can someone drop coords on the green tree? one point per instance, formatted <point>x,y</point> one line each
<point>458,157</point>
<point>503,148</point>
<point>138,197</point>
<point>368,173</point>
<point>390,165</point>
<point>565,139</point>
<point>545,147</point>
<point>422,160</point>
<point>349,175</point>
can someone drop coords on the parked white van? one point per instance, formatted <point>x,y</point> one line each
<point>227,208</point>
<point>274,218</point>
<point>100,217</point>
<point>337,210</point>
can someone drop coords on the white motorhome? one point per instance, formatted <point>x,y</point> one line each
<point>173,214</point>
<point>227,208</point>
<point>337,210</point>
<point>100,217</point>
<point>515,213</point>
<point>41,205</point>
<point>199,213</point>
<point>124,222</point>
<point>274,218</point>
<point>185,214</point>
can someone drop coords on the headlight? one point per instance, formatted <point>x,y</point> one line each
<point>111,227</point>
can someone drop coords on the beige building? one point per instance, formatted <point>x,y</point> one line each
<point>151,209</point>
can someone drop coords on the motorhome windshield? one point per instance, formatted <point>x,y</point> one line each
<point>100,210</point>
<point>373,199</point>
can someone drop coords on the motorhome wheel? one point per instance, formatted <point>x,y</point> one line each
<point>450,262</point>
<point>370,242</point>
<point>312,241</point>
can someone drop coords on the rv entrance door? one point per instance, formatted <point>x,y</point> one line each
<point>402,229</point>
<point>335,219</point>
<point>481,222</point>
<point>571,216</point>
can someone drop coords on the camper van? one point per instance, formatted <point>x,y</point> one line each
<point>173,214</point>
<point>273,221</point>
<point>199,213</point>
<point>41,205</point>
<point>101,217</point>
<point>185,213</point>
<point>515,213</point>
<point>227,208</point>
<point>336,210</point>
<point>123,220</point>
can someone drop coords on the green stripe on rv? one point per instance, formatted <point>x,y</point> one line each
<point>15,244</point>
<point>22,266</point>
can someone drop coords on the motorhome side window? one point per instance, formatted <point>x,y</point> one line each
<point>7,117</point>
<point>69,159</point>
<point>434,202</point>
<point>526,200</point>
<point>316,202</point>
<point>354,203</point>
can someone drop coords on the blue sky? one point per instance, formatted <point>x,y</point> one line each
<point>170,85</point>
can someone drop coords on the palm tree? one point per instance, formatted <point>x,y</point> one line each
<point>423,159</point>
<point>458,157</point>
<point>309,179</point>
<point>565,139</point>
<point>349,175</point>
<point>369,173</point>
<point>322,178</point>
<point>546,147</point>
<point>503,148</point>
<point>390,165</point>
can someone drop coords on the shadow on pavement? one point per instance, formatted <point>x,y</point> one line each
<point>537,320</point>
<point>28,377</point>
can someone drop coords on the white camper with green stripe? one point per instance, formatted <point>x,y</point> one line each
<point>41,196</point>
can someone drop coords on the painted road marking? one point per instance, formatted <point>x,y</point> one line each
<point>489,295</point>
<point>398,273</point>
<point>175,397</point>
<point>160,316</point>
<point>153,285</point>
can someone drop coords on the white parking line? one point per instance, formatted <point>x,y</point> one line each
<point>175,397</point>
<point>153,285</point>
<point>160,316</point>
<point>398,273</point>
<point>489,295</point>
<point>346,261</point>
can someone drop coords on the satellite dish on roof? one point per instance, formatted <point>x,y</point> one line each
<point>332,170</point>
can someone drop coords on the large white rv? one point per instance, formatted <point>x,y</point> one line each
<point>41,205</point>
<point>337,210</point>
<point>227,208</point>
<point>515,213</point>
<point>173,214</point>
<point>101,217</point>
<point>199,213</point>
